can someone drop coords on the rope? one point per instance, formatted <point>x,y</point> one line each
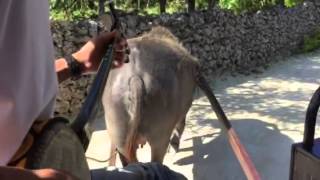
<point>101,161</point>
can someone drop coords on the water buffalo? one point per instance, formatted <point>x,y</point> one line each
<point>147,99</point>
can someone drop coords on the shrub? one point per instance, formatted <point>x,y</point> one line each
<point>311,42</point>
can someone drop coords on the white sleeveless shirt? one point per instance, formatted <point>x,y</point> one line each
<point>28,82</point>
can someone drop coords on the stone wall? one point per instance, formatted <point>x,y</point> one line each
<point>222,41</point>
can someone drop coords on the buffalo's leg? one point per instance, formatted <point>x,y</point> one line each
<point>177,133</point>
<point>123,160</point>
<point>130,156</point>
<point>159,148</point>
<point>112,155</point>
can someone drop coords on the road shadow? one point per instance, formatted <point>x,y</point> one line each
<point>214,159</point>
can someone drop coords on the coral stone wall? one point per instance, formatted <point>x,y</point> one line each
<point>222,41</point>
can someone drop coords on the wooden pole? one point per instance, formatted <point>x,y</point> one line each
<point>242,156</point>
<point>238,149</point>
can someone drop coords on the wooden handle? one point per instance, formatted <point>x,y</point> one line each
<point>240,152</point>
<point>242,156</point>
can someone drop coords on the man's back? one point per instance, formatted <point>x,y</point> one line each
<point>28,82</point>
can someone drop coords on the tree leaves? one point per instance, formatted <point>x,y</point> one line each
<point>79,9</point>
<point>239,6</point>
<point>73,9</point>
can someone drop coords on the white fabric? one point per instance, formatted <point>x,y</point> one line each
<point>28,82</point>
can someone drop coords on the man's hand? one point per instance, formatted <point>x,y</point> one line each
<point>92,52</point>
<point>52,174</point>
<point>90,55</point>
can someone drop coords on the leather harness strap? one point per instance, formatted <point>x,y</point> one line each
<point>20,157</point>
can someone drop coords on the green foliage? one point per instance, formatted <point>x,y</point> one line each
<point>311,42</point>
<point>176,5</point>
<point>292,3</point>
<point>239,6</point>
<point>79,9</point>
<point>202,4</point>
<point>72,9</point>
<point>245,5</point>
<point>153,7</point>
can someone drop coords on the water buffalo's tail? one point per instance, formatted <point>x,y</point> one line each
<point>137,92</point>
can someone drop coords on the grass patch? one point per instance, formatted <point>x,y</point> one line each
<point>311,42</point>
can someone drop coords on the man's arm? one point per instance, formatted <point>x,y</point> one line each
<point>90,55</point>
<point>62,69</point>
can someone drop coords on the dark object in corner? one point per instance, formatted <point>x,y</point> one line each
<point>305,156</point>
